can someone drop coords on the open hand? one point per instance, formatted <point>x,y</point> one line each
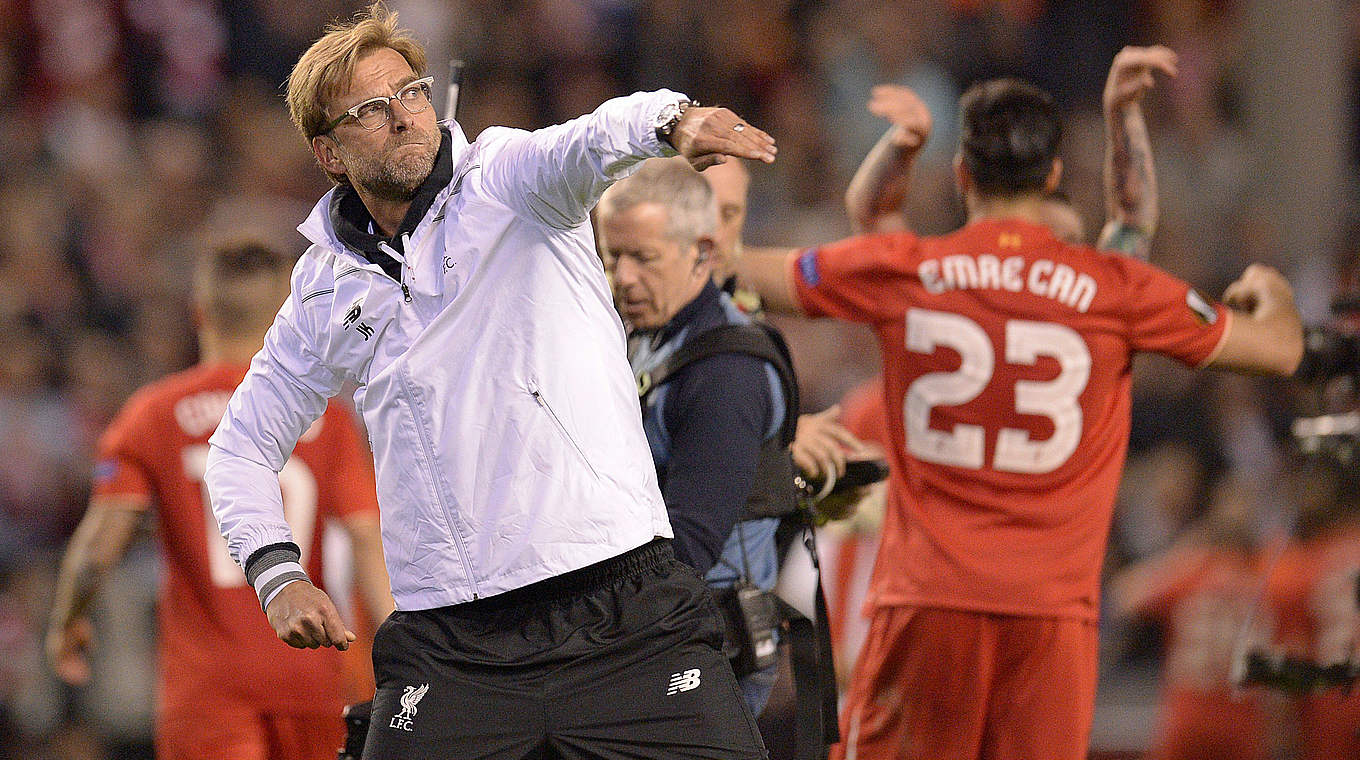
<point>707,136</point>
<point>907,112</point>
<point>1131,74</point>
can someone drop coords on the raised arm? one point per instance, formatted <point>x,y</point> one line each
<point>557,174</point>
<point>1130,177</point>
<point>99,543</point>
<point>1265,335</point>
<point>878,191</point>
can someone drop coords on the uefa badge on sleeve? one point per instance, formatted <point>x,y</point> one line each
<point>807,267</point>
<point>1201,307</point>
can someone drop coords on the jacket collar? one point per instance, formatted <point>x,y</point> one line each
<point>709,301</point>
<point>342,224</point>
<point>351,220</point>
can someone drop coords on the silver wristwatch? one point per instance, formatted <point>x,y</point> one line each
<point>669,118</point>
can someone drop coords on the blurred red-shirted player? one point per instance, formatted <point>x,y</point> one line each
<point>1312,590</point>
<point>1203,591</point>
<point>1006,363</point>
<point>227,687</point>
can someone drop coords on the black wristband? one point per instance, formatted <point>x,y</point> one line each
<point>272,567</point>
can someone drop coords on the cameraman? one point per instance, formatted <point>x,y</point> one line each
<point>716,425</point>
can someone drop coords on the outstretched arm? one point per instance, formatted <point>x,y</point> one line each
<point>557,174</point>
<point>765,271</point>
<point>877,192</point>
<point>99,543</point>
<point>1266,333</point>
<point>1130,177</point>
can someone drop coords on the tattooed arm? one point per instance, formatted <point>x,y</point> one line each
<point>878,191</point>
<point>1130,177</point>
<point>102,538</point>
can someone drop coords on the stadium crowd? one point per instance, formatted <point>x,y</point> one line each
<point>134,129</point>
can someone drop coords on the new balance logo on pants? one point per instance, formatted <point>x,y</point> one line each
<point>683,681</point>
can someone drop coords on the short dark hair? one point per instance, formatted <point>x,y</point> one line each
<point>240,283</point>
<point>1009,132</point>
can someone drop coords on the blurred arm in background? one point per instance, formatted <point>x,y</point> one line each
<point>98,545</point>
<point>876,195</point>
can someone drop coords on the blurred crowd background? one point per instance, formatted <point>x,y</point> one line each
<point>130,128</point>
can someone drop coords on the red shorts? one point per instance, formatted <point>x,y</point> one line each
<point>234,731</point>
<point>938,683</point>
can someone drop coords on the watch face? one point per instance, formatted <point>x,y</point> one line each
<point>666,120</point>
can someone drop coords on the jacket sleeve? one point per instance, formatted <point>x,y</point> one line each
<point>283,393</point>
<point>557,174</point>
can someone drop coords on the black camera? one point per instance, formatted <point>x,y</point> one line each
<point>858,472</point>
<point>356,730</point>
<point>1331,362</point>
<point>1296,676</point>
<point>1335,435</point>
<point>1329,352</point>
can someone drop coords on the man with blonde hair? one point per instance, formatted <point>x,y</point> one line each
<point>540,609</point>
<point>227,688</point>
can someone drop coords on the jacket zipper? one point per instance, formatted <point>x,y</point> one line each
<point>428,450</point>
<point>390,251</point>
<point>562,429</point>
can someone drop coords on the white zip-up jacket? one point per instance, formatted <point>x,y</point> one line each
<point>492,377</point>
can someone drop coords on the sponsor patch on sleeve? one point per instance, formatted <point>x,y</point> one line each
<point>807,267</point>
<point>1203,310</point>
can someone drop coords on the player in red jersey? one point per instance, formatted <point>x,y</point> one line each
<point>1204,592</point>
<point>1312,594</point>
<point>1007,359</point>
<point>228,687</point>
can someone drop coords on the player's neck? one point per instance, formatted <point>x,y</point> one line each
<point>1028,207</point>
<point>215,349</point>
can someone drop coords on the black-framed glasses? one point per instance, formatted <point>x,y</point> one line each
<point>374,113</point>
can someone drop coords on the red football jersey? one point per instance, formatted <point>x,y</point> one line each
<point>214,642</point>
<point>1313,589</point>
<point>1006,359</point>
<point>1205,596</point>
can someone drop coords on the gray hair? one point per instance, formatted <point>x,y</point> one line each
<point>692,212</point>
